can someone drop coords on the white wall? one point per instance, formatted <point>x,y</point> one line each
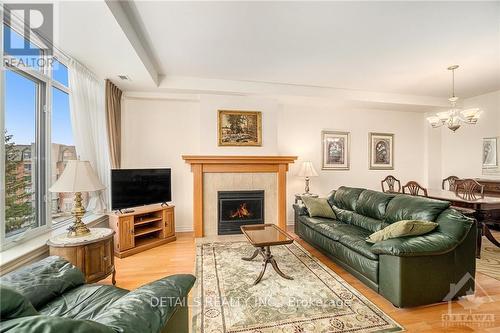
<point>300,134</point>
<point>461,151</point>
<point>157,132</point>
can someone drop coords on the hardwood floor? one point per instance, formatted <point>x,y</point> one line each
<point>179,257</point>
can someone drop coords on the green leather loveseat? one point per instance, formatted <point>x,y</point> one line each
<point>408,271</point>
<point>51,296</point>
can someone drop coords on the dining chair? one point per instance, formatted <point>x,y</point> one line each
<point>451,180</point>
<point>414,188</point>
<point>469,189</point>
<point>391,181</point>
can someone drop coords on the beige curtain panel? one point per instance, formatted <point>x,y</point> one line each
<point>113,117</point>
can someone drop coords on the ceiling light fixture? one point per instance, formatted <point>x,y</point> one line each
<point>454,117</point>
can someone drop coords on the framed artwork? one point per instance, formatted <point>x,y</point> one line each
<point>381,151</point>
<point>490,158</point>
<point>335,147</point>
<point>240,128</point>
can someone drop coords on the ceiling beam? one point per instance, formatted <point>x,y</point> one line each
<point>124,16</point>
<point>195,85</point>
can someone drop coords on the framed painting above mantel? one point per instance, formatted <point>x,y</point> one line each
<point>239,128</point>
<point>381,154</point>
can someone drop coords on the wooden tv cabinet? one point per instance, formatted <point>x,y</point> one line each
<point>142,229</point>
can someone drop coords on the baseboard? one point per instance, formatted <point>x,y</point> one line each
<point>183,228</point>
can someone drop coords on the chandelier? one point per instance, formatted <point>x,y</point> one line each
<point>454,117</point>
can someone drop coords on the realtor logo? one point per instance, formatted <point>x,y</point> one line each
<point>33,22</point>
<point>472,314</point>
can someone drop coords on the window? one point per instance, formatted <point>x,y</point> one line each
<point>38,142</point>
<point>21,188</point>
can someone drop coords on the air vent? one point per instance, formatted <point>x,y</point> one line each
<point>124,78</point>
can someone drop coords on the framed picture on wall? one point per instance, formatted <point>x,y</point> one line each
<point>335,146</point>
<point>381,151</point>
<point>490,158</point>
<point>239,128</point>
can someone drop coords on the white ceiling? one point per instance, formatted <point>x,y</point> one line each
<point>400,48</point>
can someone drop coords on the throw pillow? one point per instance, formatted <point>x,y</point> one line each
<point>318,207</point>
<point>401,229</point>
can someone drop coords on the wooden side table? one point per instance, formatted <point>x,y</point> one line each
<point>298,197</point>
<point>92,254</point>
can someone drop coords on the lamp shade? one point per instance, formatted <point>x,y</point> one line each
<point>78,176</point>
<point>307,170</point>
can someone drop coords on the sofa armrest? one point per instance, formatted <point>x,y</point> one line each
<point>435,243</point>
<point>300,209</point>
<point>44,280</point>
<point>51,324</point>
<point>148,308</point>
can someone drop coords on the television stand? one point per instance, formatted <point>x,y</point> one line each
<point>164,204</point>
<point>143,228</point>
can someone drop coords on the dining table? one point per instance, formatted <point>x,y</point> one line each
<point>486,209</point>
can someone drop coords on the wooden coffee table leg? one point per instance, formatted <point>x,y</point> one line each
<point>276,268</point>
<point>264,266</point>
<point>252,257</point>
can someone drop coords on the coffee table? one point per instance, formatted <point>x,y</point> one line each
<point>263,236</point>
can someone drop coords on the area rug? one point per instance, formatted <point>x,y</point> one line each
<point>316,300</point>
<point>489,264</point>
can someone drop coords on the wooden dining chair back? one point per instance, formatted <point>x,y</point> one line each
<point>391,182</point>
<point>451,180</point>
<point>414,188</point>
<point>469,189</point>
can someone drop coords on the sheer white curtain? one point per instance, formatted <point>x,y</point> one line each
<point>88,120</point>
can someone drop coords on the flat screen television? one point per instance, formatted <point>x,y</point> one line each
<point>137,187</point>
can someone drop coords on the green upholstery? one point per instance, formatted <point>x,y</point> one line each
<point>66,304</point>
<point>407,207</point>
<point>400,268</point>
<point>373,204</point>
<point>347,197</point>
<point>14,305</point>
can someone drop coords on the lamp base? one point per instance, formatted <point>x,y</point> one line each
<point>78,229</point>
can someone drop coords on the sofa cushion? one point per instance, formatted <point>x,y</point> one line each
<point>318,207</point>
<point>312,221</point>
<point>367,223</point>
<point>83,302</point>
<point>14,305</point>
<point>44,280</point>
<point>332,231</point>
<point>342,215</point>
<point>346,197</point>
<point>364,266</point>
<point>373,204</point>
<point>406,207</point>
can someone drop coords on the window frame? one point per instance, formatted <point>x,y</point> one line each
<point>43,133</point>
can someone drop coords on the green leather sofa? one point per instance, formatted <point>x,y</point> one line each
<point>51,296</point>
<point>408,271</point>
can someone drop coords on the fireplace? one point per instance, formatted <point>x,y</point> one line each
<point>237,208</point>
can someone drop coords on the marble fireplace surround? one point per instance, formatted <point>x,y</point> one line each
<point>214,173</point>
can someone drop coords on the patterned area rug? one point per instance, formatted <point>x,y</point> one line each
<point>489,264</point>
<point>317,300</point>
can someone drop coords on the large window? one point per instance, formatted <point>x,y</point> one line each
<point>21,188</point>
<point>37,143</point>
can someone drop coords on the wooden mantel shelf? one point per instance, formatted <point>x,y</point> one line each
<point>213,159</point>
<point>201,164</point>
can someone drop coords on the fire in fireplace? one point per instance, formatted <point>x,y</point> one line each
<point>237,208</point>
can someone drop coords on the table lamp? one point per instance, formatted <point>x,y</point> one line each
<point>77,177</point>
<point>307,170</point>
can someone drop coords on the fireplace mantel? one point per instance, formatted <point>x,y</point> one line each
<point>201,164</point>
